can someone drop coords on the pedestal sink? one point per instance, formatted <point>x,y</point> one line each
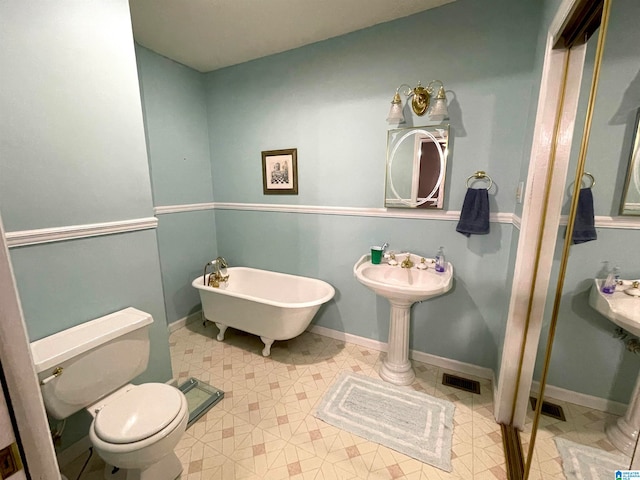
<point>624,311</point>
<point>402,287</point>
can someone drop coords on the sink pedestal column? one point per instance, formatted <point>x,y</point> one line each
<point>624,432</point>
<point>396,368</point>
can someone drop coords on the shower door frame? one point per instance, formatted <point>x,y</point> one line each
<point>548,169</point>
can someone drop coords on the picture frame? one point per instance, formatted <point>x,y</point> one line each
<point>280,172</point>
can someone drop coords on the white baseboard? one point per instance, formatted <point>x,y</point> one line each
<point>450,364</point>
<point>455,365</point>
<point>582,399</point>
<point>73,451</point>
<point>347,337</point>
<point>184,321</point>
<point>173,382</point>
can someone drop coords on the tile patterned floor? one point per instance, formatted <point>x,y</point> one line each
<point>265,428</point>
<point>583,425</point>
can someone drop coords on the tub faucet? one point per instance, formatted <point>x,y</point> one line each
<point>218,266</point>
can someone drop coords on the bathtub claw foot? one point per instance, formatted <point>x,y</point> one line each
<point>266,351</point>
<point>222,328</point>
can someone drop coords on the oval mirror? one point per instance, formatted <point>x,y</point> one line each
<point>416,167</point>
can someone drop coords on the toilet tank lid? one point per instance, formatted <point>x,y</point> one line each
<point>55,349</point>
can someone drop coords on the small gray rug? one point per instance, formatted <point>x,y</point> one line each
<point>407,421</point>
<point>580,462</point>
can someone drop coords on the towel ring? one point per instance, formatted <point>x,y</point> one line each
<point>480,175</point>
<point>593,180</point>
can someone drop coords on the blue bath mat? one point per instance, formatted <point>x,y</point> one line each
<point>402,419</point>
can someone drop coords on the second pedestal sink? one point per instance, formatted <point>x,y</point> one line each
<point>402,287</point>
<point>624,311</point>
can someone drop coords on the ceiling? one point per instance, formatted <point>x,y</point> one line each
<point>210,34</point>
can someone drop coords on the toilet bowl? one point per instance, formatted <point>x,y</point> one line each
<point>135,427</point>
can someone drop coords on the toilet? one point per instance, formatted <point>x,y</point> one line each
<point>135,427</point>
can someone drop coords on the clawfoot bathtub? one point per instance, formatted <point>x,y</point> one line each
<point>272,305</point>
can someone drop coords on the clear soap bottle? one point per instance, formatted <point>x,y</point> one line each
<point>609,285</point>
<point>440,261</point>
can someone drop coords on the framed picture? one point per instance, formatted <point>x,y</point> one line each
<point>280,172</point>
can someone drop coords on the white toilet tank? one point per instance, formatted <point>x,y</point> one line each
<point>80,365</point>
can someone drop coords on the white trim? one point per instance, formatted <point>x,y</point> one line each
<point>73,451</point>
<point>184,321</point>
<point>173,382</point>
<point>345,211</point>
<point>20,377</point>
<point>57,234</point>
<point>550,235</point>
<point>421,214</point>
<point>348,337</point>
<point>450,364</point>
<point>189,207</point>
<point>517,221</point>
<point>582,399</point>
<point>621,222</point>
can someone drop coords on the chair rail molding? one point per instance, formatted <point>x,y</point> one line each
<point>71,232</point>
<point>446,215</point>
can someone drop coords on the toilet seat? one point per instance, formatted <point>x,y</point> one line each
<point>139,413</point>
<point>154,450</point>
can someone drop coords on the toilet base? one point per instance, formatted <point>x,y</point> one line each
<point>168,468</point>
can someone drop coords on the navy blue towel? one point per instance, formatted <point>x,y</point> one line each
<point>584,229</point>
<point>474,217</point>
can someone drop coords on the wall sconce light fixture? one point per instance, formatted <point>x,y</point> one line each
<point>420,102</point>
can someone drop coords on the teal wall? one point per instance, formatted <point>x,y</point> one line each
<point>330,100</point>
<point>464,324</point>
<point>72,146</point>
<point>586,357</point>
<point>72,151</point>
<point>173,100</point>
<point>303,99</point>
<point>186,242</point>
<point>177,131</point>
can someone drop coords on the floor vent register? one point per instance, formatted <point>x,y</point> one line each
<point>461,383</point>
<point>549,409</point>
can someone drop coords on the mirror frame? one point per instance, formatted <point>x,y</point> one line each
<point>633,174</point>
<point>396,138</point>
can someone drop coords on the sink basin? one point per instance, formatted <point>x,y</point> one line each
<point>402,287</point>
<point>620,308</point>
<point>403,284</point>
